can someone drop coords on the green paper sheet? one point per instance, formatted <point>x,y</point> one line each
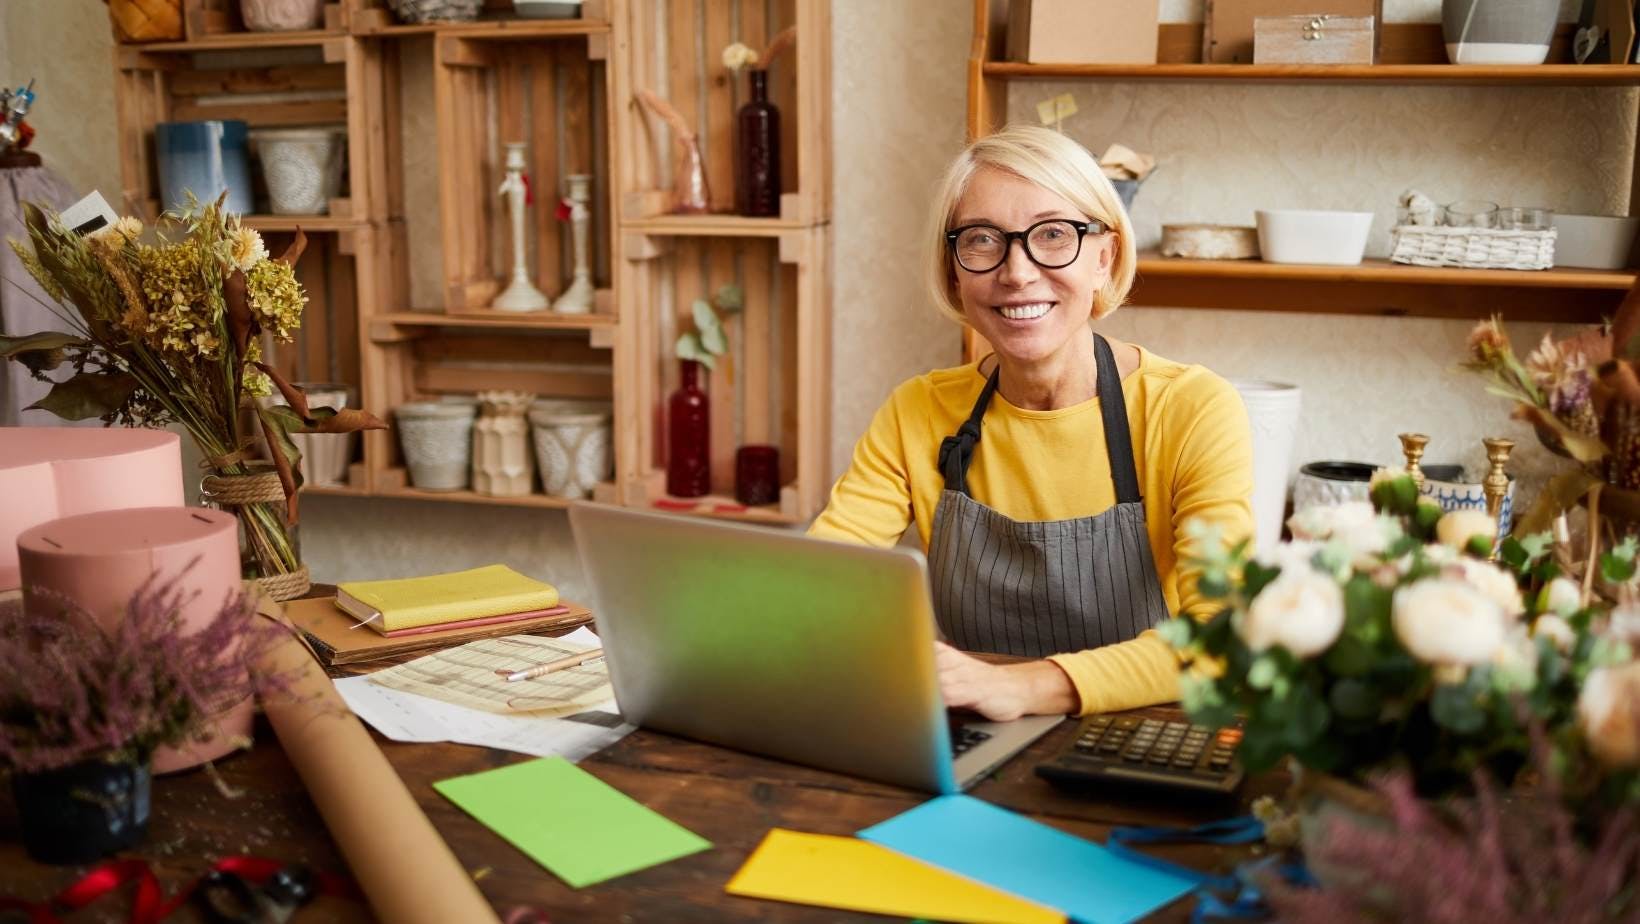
<point>576,825</point>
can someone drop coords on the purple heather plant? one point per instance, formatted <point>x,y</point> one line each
<point>72,689</point>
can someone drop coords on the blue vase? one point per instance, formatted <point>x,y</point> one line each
<point>205,158</point>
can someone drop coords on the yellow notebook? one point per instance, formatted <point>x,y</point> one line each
<point>435,599</point>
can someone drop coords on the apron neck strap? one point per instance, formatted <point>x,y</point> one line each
<point>957,451</point>
<point>1113,410</point>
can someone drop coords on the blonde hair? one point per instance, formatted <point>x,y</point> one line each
<point>1053,162</point>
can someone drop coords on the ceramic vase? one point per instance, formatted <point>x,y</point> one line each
<point>502,463</point>
<point>282,15</point>
<point>520,294</point>
<point>437,437</point>
<point>1272,412</point>
<point>1460,495</point>
<point>572,445</point>
<point>577,299</point>
<point>83,812</point>
<point>302,167</point>
<point>1498,31</point>
<point>206,159</point>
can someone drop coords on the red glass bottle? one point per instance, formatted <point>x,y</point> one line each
<point>757,152</point>
<point>689,428</point>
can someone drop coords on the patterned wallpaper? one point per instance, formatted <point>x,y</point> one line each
<point>899,103</point>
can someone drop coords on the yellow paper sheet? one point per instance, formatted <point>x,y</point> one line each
<point>466,675</point>
<point>843,872</point>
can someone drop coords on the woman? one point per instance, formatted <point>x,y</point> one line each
<point>1051,483</point>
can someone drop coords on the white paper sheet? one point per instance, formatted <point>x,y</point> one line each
<point>409,717</point>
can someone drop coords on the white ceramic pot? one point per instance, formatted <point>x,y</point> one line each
<point>437,438</point>
<point>326,456</point>
<point>1272,412</point>
<point>282,15</point>
<point>572,445</point>
<point>1331,484</point>
<point>1313,236</point>
<point>503,464</point>
<point>1498,31</point>
<point>1594,241</point>
<point>548,9</point>
<point>302,167</point>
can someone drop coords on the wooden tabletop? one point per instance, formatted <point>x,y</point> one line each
<point>731,799</point>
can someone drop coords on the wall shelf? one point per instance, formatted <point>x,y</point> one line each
<point>519,321</point>
<point>712,226</point>
<point>1539,75</point>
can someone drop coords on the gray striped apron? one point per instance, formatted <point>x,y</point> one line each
<point>1036,589</point>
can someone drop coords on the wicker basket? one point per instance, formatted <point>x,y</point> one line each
<point>1475,248</point>
<point>146,20</point>
<point>435,10</point>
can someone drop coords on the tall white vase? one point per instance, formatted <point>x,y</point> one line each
<point>520,294</point>
<point>577,299</point>
<point>503,465</point>
<point>1272,411</point>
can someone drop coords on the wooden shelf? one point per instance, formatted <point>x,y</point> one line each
<point>1553,75</point>
<point>471,497</point>
<point>1378,287</point>
<point>494,29</point>
<point>239,41</point>
<point>542,320</point>
<point>304,222</point>
<point>712,226</point>
<point>334,490</point>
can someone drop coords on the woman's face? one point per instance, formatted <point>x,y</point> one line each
<point>1028,313</point>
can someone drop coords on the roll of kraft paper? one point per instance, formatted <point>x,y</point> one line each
<point>98,561</point>
<point>405,869</point>
<point>52,472</point>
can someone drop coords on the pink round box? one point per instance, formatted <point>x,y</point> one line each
<point>52,472</point>
<point>98,560</point>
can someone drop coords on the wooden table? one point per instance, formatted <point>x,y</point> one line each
<point>731,799</point>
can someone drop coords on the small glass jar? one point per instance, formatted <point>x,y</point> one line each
<point>1472,213</point>
<point>757,475</point>
<point>1525,219</point>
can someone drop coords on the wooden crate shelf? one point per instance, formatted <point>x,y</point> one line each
<point>711,226</point>
<point>1546,75</point>
<point>496,21</point>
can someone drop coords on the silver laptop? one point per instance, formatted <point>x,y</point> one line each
<point>816,652</point>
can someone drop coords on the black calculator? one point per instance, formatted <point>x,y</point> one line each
<point>1133,750</point>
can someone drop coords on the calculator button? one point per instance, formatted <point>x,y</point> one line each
<point>1219,763</point>
<point>1126,722</point>
<point>1183,763</point>
<point>1151,724</point>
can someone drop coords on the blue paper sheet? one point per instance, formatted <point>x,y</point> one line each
<point>1015,854</point>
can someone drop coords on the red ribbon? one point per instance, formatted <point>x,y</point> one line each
<point>148,906</point>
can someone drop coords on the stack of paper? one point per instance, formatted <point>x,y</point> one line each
<point>474,675</point>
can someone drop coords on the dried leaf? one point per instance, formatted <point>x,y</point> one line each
<point>39,352</point>
<point>88,395</point>
<point>346,420</point>
<point>1579,446</point>
<point>284,451</point>
<point>236,300</point>
<point>1618,375</point>
<point>294,251</point>
<point>293,396</point>
<point>1561,493</point>
<point>1627,324</point>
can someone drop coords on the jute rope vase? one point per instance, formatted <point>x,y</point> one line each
<point>239,494</point>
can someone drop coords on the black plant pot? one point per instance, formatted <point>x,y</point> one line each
<point>82,812</point>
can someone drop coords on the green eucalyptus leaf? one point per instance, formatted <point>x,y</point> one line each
<point>1350,656</point>
<point>1263,673</point>
<point>705,318</point>
<point>712,339</point>
<point>730,298</point>
<point>1354,700</point>
<point>1457,708</point>
<point>1176,631</point>
<point>689,347</point>
<point>1615,569</point>
<point>88,395</point>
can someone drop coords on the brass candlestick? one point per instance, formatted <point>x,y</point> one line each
<point>1412,445</point>
<point>1496,483</point>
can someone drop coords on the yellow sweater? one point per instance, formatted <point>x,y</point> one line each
<point>1191,446</point>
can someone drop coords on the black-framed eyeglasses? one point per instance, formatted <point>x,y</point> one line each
<point>1050,244</point>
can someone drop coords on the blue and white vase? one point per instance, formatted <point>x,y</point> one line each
<point>206,158</point>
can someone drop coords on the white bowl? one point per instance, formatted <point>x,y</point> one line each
<point>548,9</point>
<point>1594,241</point>
<point>1313,236</point>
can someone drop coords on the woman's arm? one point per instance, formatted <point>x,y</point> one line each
<point>871,503</point>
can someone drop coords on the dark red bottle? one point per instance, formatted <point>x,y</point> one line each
<point>757,153</point>
<point>689,428</point>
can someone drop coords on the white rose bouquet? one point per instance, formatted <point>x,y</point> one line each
<point>1382,636</point>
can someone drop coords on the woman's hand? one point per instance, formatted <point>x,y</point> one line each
<point>1002,692</point>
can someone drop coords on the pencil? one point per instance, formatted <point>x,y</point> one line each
<point>575,660</point>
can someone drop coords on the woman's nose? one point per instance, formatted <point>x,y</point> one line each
<point>1017,268</point>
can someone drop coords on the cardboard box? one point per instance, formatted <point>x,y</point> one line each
<point>1227,34</point>
<point>1323,39</point>
<point>1082,31</point>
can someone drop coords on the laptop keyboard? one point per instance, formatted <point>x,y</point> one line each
<point>965,738</point>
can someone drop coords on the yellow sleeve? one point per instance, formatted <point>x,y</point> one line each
<point>871,503</point>
<point>1213,482</point>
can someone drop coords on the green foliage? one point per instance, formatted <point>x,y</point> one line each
<point>707,341</point>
